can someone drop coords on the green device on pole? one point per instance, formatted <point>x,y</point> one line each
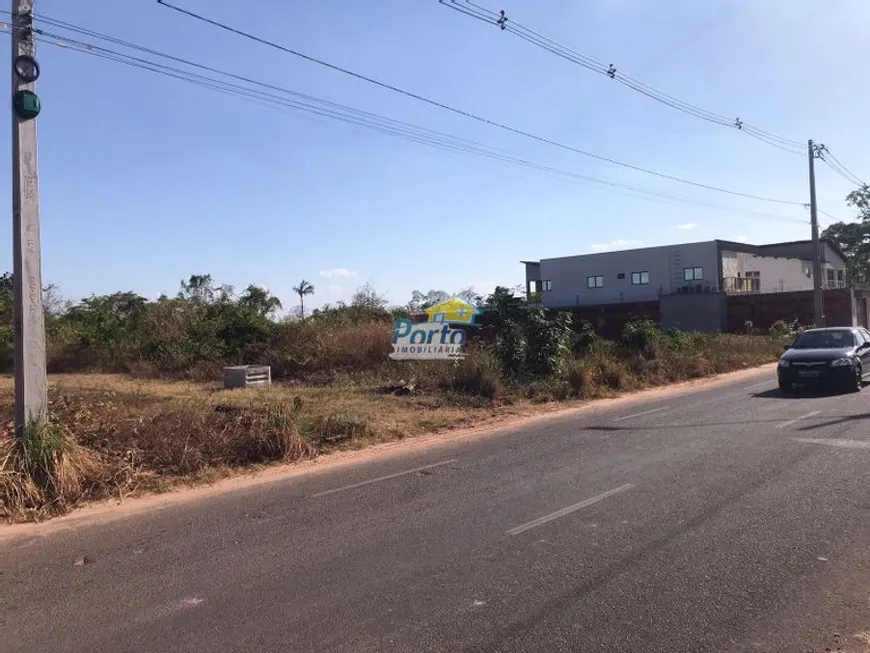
<point>26,105</point>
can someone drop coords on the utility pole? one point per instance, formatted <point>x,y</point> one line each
<point>814,152</point>
<point>31,401</point>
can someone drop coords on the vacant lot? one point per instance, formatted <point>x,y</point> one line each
<point>113,436</point>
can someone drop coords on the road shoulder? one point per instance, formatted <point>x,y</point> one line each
<point>107,511</point>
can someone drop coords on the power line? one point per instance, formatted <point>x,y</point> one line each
<point>828,157</point>
<point>501,20</point>
<point>385,125</point>
<point>461,112</point>
<point>828,215</point>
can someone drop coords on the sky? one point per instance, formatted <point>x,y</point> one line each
<point>145,179</point>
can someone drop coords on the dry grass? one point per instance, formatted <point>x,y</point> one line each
<point>116,436</point>
<point>150,436</point>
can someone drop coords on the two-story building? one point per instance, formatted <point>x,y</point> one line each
<point>648,273</point>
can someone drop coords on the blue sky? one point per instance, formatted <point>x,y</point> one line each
<point>146,179</point>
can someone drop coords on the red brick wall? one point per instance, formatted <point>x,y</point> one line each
<point>764,310</point>
<point>609,319</point>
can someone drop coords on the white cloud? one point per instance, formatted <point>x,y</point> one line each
<point>615,244</point>
<point>336,273</point>
<point>687,225</point>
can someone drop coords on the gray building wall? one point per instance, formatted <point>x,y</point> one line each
<point>665,265</point>
<point>703,312</point>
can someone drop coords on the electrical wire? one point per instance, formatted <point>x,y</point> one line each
<point>461,112</point>
<point>341,113</point>
<point>506,24</point>
<point>828,215</point>
<point>828,157</point>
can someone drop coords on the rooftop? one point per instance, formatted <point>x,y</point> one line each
<point>801,249</point>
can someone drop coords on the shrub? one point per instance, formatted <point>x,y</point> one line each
<point>585,338</point>
<point>640,335</point>
<point>510,348</point>
<point>45,472</point>
<point>780,329</point>
<point>548,343</point>
<point>613,375</point>
<point>474,376</point>
<point>676,340</point>
<point>581,379</point>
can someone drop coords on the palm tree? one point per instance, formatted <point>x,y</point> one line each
<point>304,288</point>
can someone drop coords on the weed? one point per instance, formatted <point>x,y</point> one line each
<point>780,329</point>
<point>44,472</point>
<point>474,375</point>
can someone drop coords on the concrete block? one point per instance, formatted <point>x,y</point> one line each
<point>243,376</point>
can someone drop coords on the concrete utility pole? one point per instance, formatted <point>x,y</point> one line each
<point>31,401</point>
<point>818,289</point>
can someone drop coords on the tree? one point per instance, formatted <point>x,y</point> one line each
<point>421,301</point>
<point>367,297</point>
<point>504,304</point>
<point>198,288</point>
<point>304,288</point>
<point>260,301</point>
<point>470,295</point>
<point>853,238</point>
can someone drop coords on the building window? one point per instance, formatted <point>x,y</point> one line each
<point>693,274</point>
<point>621,275</point>
<point>639,278</point>
<point>753,275</point>
<point>548,286</point>
<point>595,282</point>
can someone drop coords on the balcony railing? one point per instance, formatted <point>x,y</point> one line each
<point>737,285</point>
<point>741,284</point>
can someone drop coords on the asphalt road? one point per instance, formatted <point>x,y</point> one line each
<point>728,519</point>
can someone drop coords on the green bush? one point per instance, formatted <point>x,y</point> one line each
<point>549,343</point>
<point>676,340</point>
<point>585,338</point>
<point>640,335</point>
<point>510,348</point>
<point>780,329</point>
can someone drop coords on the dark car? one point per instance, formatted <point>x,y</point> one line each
<point>834,357</point>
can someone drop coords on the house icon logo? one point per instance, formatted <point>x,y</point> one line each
<point>435,339</point>
<point>454,311</point>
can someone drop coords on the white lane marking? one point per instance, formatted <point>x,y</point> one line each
<point>646,412</point>
<point>782,425</point>
<point>568,510</point>
<point>758,385</point>
<point>842,444</point>
<point>384,478</point>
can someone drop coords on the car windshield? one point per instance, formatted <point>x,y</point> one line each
<point>825,340</point>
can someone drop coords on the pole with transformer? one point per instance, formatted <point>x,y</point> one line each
<point>31,400</point>
<point>814,152</point>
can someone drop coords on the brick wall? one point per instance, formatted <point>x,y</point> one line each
<point>608,319</point>
<point>764,310</point>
